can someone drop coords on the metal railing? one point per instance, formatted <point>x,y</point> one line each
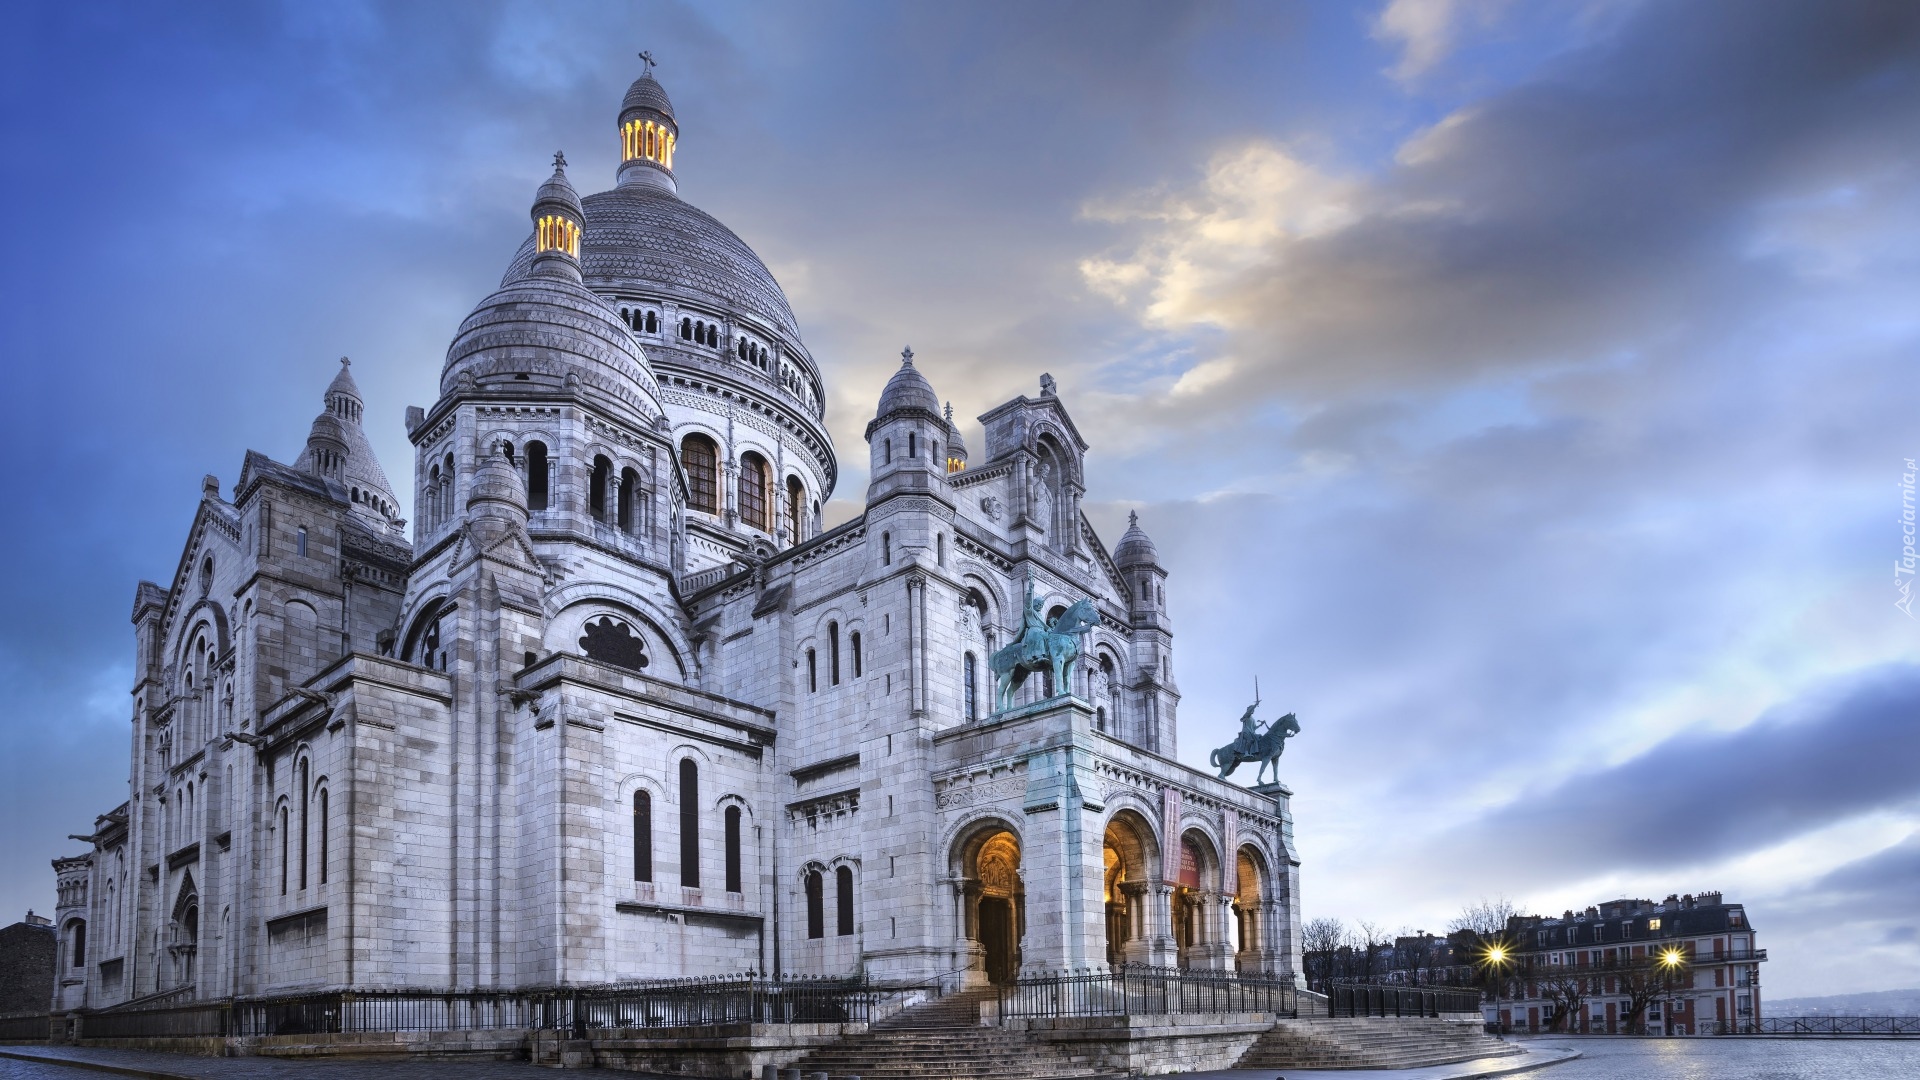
<point>31,1027</point>
<point>1144,991</point>
<point>681,1003</point>
<point>1820,1025</point>
<point>1372,999</point>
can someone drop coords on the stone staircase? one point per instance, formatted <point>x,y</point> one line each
<point>943,1040</point>
<point>1371,1043</point>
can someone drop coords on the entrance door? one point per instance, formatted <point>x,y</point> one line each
<point>996,937</point>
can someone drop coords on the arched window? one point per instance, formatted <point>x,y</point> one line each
<point>77,936</point>
<point>833,651</point>
<point>853,642</point>
<point>886,549</point>
<point>816,906</point>
<point>813,672</point>
<point>284,861</point>
<point>796,503</point>
<point>536,476</point>
<point>701,458</point>
<point>306,770</point>
<point>753,492</point>
<point>843,897</point>
<point>629,493</point>
<point>689,823</point>
<point>300,541</point>
<point>686,329</point>
<point>597,483</point>
<point>653,323</point>
<point>322,810</point>
<point>913,444</point>
<point>733,849</point>
<point>940,548</point>
<point>642,836</point>
<point>887,446</point>
<point>973,690</point>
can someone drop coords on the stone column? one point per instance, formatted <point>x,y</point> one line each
<point>1160,950</point>
<point>973,956</point>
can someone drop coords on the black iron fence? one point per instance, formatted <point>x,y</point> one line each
<point>683,1003</point>
<point>32,1027</point>
<point>1820,1025</point>
<point>1144,991</point>
<point>1368,999</point>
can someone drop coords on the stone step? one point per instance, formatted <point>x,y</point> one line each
<point>1370,1043</point>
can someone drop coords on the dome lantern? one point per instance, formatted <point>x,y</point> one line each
<point>557,219</point>
<point>956,446</point>
<point>648,132</point>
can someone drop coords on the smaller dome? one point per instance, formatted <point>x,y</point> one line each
<point>1136,547</point>
<point>557,193</point>
<point>908,389</point>
<point>496,483</point>
<point>646,93</point>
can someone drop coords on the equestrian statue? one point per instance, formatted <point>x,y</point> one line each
<point>1042,646</point>
<point>1253,744</point>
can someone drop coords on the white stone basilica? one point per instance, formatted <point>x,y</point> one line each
<point>620,709</point>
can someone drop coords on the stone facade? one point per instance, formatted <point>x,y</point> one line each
<point>619,709</point>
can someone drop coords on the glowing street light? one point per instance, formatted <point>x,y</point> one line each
<point>1672,958</point>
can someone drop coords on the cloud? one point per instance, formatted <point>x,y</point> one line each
<point>1422,29</point>
<point>1702,796</point>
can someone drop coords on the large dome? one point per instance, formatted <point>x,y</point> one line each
<point>644,237</point>
<point>547,328</point>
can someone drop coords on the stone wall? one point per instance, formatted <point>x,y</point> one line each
<point>26,968</point>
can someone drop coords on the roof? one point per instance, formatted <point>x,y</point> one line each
<point>647,93</point>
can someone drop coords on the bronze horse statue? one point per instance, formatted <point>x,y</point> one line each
<point>1256,745</point>
<point>1043,646</point>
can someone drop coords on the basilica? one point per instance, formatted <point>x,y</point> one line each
<point>608,704</point>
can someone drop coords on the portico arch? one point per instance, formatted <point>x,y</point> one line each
<point>1251,914</point>
<point>1198,930</point>
<point>992,898</point>
<point>1131,858</point>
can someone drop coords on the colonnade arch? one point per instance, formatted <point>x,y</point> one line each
<point>992,898</point>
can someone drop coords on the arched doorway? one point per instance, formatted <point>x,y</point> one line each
<point>995,899</point>
<point>1128,858</point>
<point>184,932</point>
<point>1194,896</point>
<point>1249,911</point>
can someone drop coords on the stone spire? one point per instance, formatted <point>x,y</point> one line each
<point>649,134</point>
<point>338,450</point>
<point>956,446</point>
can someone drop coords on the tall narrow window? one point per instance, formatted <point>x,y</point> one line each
<point>913,445</point>
<point>686,329</point>
<point>796,501</point>
<point>629,492</point>
<point>300,541</point>
<point>733,849</point>
<point>853,641</point>
<point>753,492</point>
<point>536,476</point>
<point>305,773</point>
<point>843,899</point>
<point>689,823</point>
<point>597,482</point>
<point>701,459</point>
<point>284,830</point>
<point>653,323</point>
<point>79,944</point>
<point>886,549</point>
<point>323,836</point>
<point>813,672</point>
<point>973,698</point>
<point>940,548</point>
<point>642,836</point>
<point>833,651</point>
<point>816,906</point>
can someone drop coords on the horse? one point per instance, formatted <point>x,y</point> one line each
<point>1265,748</point>
<point>1055,650</point>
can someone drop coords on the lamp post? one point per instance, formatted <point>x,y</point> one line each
<point>1494,960</point>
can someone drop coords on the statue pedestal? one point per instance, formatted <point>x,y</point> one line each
<point>1272,789</point>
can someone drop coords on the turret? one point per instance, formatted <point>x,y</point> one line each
<point>1139,564</point>
<point>956,446</point>
<point>337,450</point>
<point>648,133</point>
<point>557,219</point>
<point>907,437</point>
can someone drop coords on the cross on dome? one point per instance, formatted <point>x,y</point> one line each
<point>906,356</point>
<point>560,160</point>
<point>1133,518</point>
<point>646,57</point>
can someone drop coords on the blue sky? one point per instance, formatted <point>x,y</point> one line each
<point>1521,391</point>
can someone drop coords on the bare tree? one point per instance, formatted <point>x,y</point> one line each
<point>1371,939</point>
<point>1320,943</point>
<point>1566,987</point>
<point>1485,917</point>
<point>1645,980</point>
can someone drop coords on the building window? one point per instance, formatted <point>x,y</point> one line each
<point>816,906</point>
<point>753,492</point>
<point>689,823</point>
<point>79,943</point>
<point>306,770</point>
<point>833,651</point>
<point>629,495</point>
<point>843,897</point>
<point>973,689</point>
<point>701,458</point>
<point>796,506</point>
<point>598,482</point>
<point>300,541</point>
<point>536,476</point>
<point>284,853</point>
<point>642,836</point>
<point>913,445</point>
<point>886,549</point>
<point>322,800</point>
<point>813,672</point>
<point>733,849</point>
<point>853,642</point>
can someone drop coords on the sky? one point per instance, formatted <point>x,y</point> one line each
<point>1523,392</point>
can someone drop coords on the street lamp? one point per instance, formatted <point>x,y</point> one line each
<point>1494,959</point>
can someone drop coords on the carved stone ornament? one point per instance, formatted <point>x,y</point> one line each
<point>992,507</point>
